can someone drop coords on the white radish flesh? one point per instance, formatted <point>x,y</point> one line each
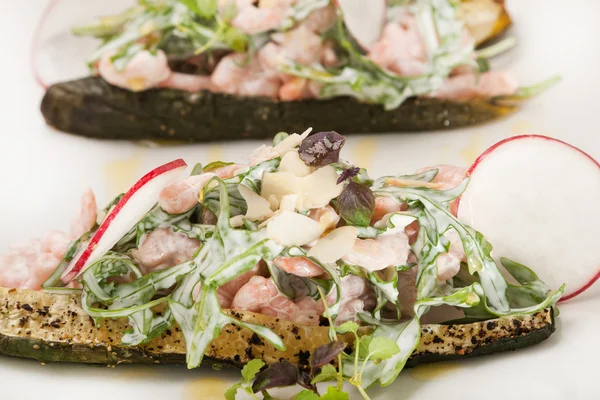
<point>537,199</point>
<point>364,21</point>
<point>127,212</point>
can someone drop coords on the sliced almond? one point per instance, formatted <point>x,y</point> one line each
<point>291,142</point>
<point>319,188</point>
<point>293,229</point>
<point>292,163</point>
<point>275,185</point>
<point>335,245</point>
<point>259,208</point>
<point>236,221</point>
<point>288,202</point>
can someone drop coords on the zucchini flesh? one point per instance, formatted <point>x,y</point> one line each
<point>53,328</point>
<point>91,107</point>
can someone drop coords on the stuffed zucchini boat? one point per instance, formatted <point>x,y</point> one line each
<point>51,328</point>
<point>230,69</point>
<point>295,259</point>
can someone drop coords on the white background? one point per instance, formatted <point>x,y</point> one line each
<point>43,173</point>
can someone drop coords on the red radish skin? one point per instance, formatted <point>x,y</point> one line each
<point>570,294</point>
<point>80,263</point>
<point>36,43</point>
<point>510,139</point>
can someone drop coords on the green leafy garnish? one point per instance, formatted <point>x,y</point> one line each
<point>248,374</point>
<point>356,204</point>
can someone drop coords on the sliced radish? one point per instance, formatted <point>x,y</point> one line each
<point>537,200</point>
<point>365,22</point>
<point>127,212</point>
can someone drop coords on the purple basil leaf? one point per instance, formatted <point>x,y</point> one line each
<point>304,380</point>
<point>321,149</point>
<point>279,374</point>
<point>356,204</point>
<point>348,173</point>
<point>326,353</point>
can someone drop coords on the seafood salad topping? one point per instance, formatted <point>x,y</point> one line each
<point>296,233</point>
<point>300,49</point>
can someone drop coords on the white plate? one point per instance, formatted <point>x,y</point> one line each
<point>43,172</point>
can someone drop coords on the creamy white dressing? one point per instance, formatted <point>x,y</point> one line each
<point>361,264</point>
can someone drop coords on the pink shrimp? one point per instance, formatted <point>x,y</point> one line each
<point>227,171</point>
<point>261,295</point>
<point>255,294</point>
<point>401,48</point>
<point>300,45</point>
<point>448,264</point>
<point>228,291</point>
<point>299,266</point>
<point>235,74</point>
<point>251,19</point>
<point>55,243</point>
<point>182,196</point>
<point>449,176</point>
<point>380,253</point>
<point>322,19</point>
<point>187,82</point>
<point>14,271</point>
<point>473,86</point>
<point>27,266</point>
<point>357,296</point>
<point>329,57</point>
<point>85,219</point>
<point>163,248</point>
<point>385,205</point>
<point>142,72</point>
<point>295,89</point>
<point>326,216</point>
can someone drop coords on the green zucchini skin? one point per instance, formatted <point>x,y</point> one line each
<point>91,107</point>
<point>54,328</point>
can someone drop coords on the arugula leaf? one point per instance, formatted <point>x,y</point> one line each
<point>328,373</point>
<point>333,393</point>
<point>235,39</point>
<point>363,347</point>
<point>382,348</point>
<point>347,327</point>
<point>232,391</point>
<point>280,137</point>
<point>197,170</point>
<point>307,395</point>
<point>204,8</point>
<point>248,373</point>
<point>252,368</point>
